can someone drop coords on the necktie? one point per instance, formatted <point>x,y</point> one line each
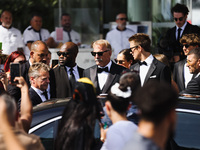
<point>45,94</point>
<point>142,63</point>
<point>179,33</point>
<point>70,40</point>
<point>72,79</point>
<point>100,70</point>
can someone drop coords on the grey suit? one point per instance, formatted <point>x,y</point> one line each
<point>113,77</point>
<point>157,71</point>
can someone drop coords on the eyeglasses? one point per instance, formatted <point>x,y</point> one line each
<point>22,61</point>
<point>180,19</point>
<point>62,53</point>
<point>119,61</point>
<point>43,55</point>
<point>186,45</point>
<point>99,53</point>
<point>133,48</point>
<point>122,19</point>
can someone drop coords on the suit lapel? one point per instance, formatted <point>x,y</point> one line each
<point>151,70</point>
<point>93,75</point>
<point>181,72</point>
<point>111,76</point>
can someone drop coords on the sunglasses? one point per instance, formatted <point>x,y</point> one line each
<point>63,53</point>
<point>119,61</point>
<point>180,19</point>
<point>133,48</point>
<point>122,19</point>
<point>99,53</point>
<point>186,45</point>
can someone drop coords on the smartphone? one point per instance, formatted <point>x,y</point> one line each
<point>54,62</point>
<point>0,45</point>
<point>15,71</point>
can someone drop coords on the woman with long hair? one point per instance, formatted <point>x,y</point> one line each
<point>76,129</point>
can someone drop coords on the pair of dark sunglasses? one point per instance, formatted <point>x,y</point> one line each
<point>62,53</point>
<point>122,19</point>
<point>99,53</point>
<point>186,45</point>
<point>180,19</point>
<point>22,61</point>
<point>119,61</point>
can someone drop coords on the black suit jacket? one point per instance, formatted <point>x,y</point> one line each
<point>157,71</point>
<point>62,84</point>
<point>35,98</point>
<point>15,91</point>
<point>113,77</point>
<point>193,87</point>
<point>174,45</point>
<point>178,74</point>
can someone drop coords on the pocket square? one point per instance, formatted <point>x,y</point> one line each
<point>154,76</point>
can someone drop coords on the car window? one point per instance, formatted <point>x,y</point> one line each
<point>188,130</point>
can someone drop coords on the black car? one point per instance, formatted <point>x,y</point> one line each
<point>46,117</point>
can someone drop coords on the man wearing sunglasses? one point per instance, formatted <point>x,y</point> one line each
<point>179,13</point>
<point>148,67</point>
<point>68,72</point>
<point>38,53</point>
<point>118,37</point>
<point>181,74</point>
<point>105,73</point>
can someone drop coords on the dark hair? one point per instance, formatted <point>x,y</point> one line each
<point>127,54</point>
<point>65,14</point>
<point>180,8</point>
<point>196,52</point>
<point>11,58</point>
<point>143,40</point>
<point>76,129</point>
<point>36,14</point>
<point>155,100</point>
<point>119,103</point>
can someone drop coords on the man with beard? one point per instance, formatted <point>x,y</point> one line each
<point>39,52</point>
<point>69,35</point>
<point>11,37</point>
<point>67,73</point>
<point>193,63</point>
<point>118,37</point>
<point>156,102</point>
<point>105,73</point>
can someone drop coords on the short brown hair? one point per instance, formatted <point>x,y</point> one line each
<point>143,40</point>
<point>191,39</point>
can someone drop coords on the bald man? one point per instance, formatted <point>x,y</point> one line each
<point>67,71</point>
<point>118,37</point>
<point>11,37</point>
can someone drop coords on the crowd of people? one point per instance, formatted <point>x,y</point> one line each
<point>131,101</point>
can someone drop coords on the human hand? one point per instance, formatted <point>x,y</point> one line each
<point>21,82</point>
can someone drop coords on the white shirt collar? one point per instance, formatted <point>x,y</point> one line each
<point>75,68</point>
<point>108,65</point>
<point>38,91</point>
<point>183,27</point>
<point>149,59</point>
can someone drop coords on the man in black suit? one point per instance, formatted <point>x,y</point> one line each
<point>148,67</point>
<point>181,73</point>
<point>67,73</point>
<point>193,63</point>
<point>38,53</point>
<point>105,73</point>
<point>39,79</point>
<point>179,13</point>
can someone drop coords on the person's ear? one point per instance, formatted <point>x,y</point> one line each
<point>32,80</point>
<point>108,107</point>
<point>31,53</point>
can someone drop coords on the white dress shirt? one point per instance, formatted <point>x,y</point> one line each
<point>39,92</point>
<point>145,68</point>
<point>102,77</point>
<point>187,75</point>
<point>183,28</point>
<point>75,72</point>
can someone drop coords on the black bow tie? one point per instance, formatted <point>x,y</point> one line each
<point>100,70</point>
<point>142,63</point>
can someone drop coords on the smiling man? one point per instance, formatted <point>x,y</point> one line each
<point>181,74</point>
<point>67,73</point>
<point>105,73</point>
<point>179,13</point>
<point>193,63</point>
